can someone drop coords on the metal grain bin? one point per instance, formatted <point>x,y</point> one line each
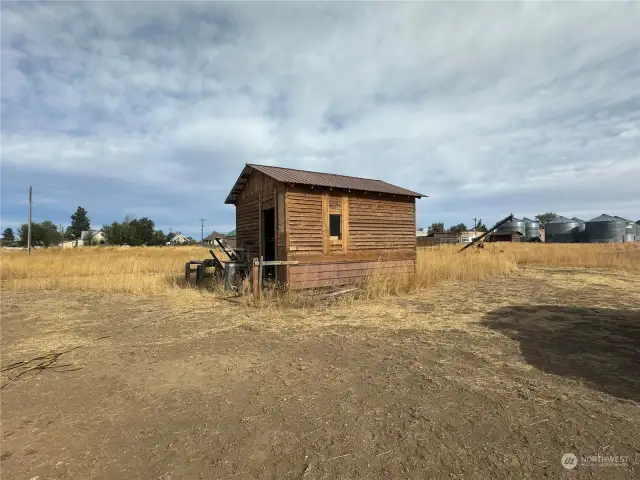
<point>629,229</point>
<point>581,224</point>
<point>605,229</point>
<point>531,228</point>
<point>561,230</point>
<point>638,231</point>
<point>513,226</point>
<point>579,233</point>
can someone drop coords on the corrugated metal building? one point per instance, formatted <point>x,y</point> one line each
<point>340,228</point>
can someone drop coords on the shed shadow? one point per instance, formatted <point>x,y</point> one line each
<point>599,346</point>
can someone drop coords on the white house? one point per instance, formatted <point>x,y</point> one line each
<point>98,236</point>
<point>178,239</point>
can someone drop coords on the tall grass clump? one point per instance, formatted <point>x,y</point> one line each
<point>441,264</point>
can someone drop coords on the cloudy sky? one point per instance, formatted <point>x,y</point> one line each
<point>153,108</point>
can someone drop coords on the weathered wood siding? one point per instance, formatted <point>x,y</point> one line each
<point>378,224</point>
<point>259,192</point>
<point>305,223</point>
<point>324,274</point>
<point>372,226</point>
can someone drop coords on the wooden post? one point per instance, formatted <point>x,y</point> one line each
<point>325,224</point>
<point>260,268</point>
<point>345,225</point>
<point>187,272</point>
<point>260,234</point>
<point>254,278</point>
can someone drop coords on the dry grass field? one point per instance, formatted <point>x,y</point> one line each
<point>487,364</point>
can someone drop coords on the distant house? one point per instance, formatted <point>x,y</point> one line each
<point>504,237</point>
<point>457,237</point>
<point>210,239</point>
<point>178,239</point>
<point>97,237</point>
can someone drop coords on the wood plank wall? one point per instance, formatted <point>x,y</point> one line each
<point>374,226</point>
<point>380,224</point>
<point>305,223</point>
<point>260,189</point>
<point>324,274</point>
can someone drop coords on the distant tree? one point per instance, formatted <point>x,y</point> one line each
<point>461,227</point>
<point>481,227</point>
<point>436,228</point>
<point>42,234</point>
<point>145,229</point>
<point>7,237</point>
<point>47,233</point>
<point>88,239</point>
<point>68,234</point>
<point>79,223</point>
<point>23,232</point>
<point>158,238</point>
<point>545,218</point>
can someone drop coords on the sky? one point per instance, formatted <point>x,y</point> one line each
<point>153,108</point>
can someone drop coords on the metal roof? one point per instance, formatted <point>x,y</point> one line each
<point>561,219</point>
<point>605,218</point>
<point>576,219</point>
<point>331,180</point>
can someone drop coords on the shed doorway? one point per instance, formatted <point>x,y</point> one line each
<point>268,239</point>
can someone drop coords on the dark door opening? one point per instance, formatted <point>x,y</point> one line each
<point>269,241</point>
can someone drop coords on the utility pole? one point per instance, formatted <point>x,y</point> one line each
<point>202,220</point>
<point>29,228</point>
<point>475,223</point>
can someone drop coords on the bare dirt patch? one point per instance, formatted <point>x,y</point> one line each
<point>492,379</point>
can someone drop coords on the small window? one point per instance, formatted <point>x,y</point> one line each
<point>335,226</point>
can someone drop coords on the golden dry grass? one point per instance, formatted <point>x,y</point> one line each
<point>619,256</point>
<point>159,270</point>
<point>110,270</point>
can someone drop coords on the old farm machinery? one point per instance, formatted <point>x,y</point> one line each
<point>227,263</point>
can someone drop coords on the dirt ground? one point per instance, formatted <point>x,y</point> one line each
<point>496,380</point>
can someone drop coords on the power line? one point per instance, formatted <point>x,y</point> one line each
<point>29,228</point>
<point>202,220</point>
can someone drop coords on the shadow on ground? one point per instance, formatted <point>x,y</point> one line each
<point>598,346</point>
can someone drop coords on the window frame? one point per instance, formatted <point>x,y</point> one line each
<point>339,236</point>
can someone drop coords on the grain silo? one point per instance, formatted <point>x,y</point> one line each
<point>531,228</point>
<point>605,229</point>
<point>579,232</point>
<point>638,231</point>
<point>560,230</point>
<point>515,225</point>
<point>629,229</point>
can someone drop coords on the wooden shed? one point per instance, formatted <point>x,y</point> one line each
<point>339,228</point>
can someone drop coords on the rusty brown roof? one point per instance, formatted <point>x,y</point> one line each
<point>303,177</point>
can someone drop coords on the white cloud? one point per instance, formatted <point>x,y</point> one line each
<point>460,101</point>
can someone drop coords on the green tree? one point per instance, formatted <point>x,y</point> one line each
<point>7,237</point>
<point>461,227</point>
<point>144,231</point>
<point>48,233</point>
<point>481,227</point>
<point>436,228</point>
<point>79,223</point>
<point>23,232</point>
<point>545,218</point>
<point>159,238</point>
<point>43,234</point>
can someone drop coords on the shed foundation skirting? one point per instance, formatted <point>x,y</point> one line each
<point>326,274</point>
